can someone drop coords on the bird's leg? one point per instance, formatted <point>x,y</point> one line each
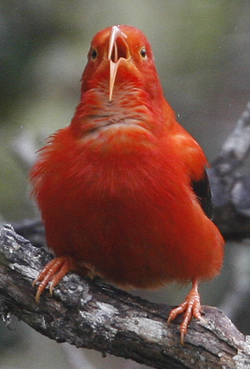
<point>53,272</point>
<point>190,307</point>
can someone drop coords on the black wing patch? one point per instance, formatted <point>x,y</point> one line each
<point>203,193</point>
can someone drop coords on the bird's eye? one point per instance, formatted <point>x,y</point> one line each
<point>93,54</point>
<point>143,53</point>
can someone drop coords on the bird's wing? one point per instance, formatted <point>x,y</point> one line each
<point>194,159</point>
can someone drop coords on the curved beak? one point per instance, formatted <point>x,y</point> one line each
<point>118,50</point>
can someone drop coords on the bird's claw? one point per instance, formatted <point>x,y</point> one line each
<point>190,307</point>
<point>53,272</point>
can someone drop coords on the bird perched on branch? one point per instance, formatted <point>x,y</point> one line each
<point>123,190</point>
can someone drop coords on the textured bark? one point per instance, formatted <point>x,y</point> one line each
<point>88,313</point>
<point>230,182</point>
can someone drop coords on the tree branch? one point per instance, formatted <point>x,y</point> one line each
<point>230,188</point>
<point>91,314</point>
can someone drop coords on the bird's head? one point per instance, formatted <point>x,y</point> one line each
<point>121,58</point>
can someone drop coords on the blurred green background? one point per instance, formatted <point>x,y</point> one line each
<point>202,53</point>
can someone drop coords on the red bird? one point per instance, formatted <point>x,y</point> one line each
<point>123,190</point>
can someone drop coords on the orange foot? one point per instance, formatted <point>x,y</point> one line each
<point>53,272</point>
<point>191,306</point>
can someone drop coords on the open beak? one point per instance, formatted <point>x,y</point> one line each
<point>118,50</point>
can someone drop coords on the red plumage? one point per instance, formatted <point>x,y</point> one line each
<point>115,186</point>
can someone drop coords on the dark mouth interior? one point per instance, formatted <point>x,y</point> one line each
<point>120,50</point>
